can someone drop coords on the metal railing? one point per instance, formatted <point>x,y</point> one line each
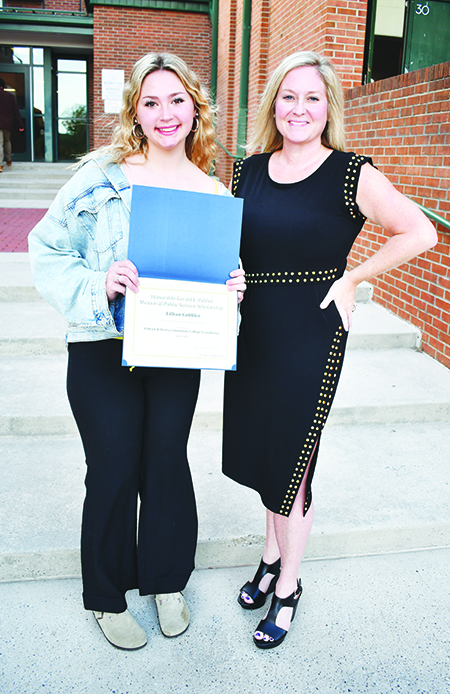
<point>434,216</point>
<point>41,11</point>
<point>233,156</point>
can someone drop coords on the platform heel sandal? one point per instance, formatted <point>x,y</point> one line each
<point>273,636</point>
<point>251,588</point>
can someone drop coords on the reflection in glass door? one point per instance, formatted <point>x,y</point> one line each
<point>38,104</point>
<point>22,68</point>
<point>17,83</point>
<point>71,108</point>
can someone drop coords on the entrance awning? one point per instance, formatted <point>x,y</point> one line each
<point>46,28</point>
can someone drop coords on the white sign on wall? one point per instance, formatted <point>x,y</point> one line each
<point>112,89</point>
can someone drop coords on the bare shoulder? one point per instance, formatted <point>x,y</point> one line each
<point>200,181</point>
<point>382,203</point>
<point>377,196</point>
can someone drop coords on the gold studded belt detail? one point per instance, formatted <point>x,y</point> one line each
<point>290,276</point>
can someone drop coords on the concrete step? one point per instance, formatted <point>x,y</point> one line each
<point>42,194</point>
<point>34,327</point>
<point>33,398</point>
<point>16,282</point>
<point>374,327</point>
<point>15,273</point>
<point>376,387</point>
<point>32,171</point>
<point>35,180</point>
<point>39,166</point>
<point>372,492</point>
<point>41,174</point>
<point>31,327</point>
<point>385,386</point>
<point>32,184</point>
<point>22,204</point>
<point>372,495</point>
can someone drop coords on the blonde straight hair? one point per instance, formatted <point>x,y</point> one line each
<point>200,146</point>
<point>265,133</point>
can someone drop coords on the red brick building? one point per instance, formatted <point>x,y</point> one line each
<point>402,121</point>
<point>53,53</point>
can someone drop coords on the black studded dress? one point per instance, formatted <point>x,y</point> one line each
<point>295,242</point>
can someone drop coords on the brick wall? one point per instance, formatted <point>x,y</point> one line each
<point>335,28</point>
<point>227,75</point>
<point>25,4</point>
<point>404,124</point>
<point>260,53</point>
<point>66,5</point>
<point>280,27</point>
<point>186,34</point>
<point>56,5</point>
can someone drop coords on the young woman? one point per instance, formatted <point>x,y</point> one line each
<point>134,423</point>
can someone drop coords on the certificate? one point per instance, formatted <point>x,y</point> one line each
<point>184,244</point>
<point>178,324</point>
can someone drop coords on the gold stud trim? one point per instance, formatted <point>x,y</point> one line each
<point>290,276</point>
<point>349,185</point>
<point>328,386</point>
<point>236,174</point>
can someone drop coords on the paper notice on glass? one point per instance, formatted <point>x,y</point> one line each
<point>180,324</point>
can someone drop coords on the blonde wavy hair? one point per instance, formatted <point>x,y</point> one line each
<point>200,146</point>
<point>265,133</point>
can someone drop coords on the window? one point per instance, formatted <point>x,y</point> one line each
<point>404,36</point>
<point>72,108</point>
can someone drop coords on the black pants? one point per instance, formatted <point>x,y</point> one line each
<point>134,426</point>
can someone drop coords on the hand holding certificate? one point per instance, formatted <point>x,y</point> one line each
<point>183,245</point>
<point>181,324</point>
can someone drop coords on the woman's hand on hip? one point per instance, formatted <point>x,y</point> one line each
<point>121,274</point>
<point>342,292</point>
<point>237,283</point>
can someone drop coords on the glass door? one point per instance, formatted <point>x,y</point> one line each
<point>72,117</point>
<point>22,68</point>
<point>17,82</point>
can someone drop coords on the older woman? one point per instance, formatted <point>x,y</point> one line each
<point>306,200</point>
<point>134,423</point>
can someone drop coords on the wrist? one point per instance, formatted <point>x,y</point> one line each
<point>353,278</point>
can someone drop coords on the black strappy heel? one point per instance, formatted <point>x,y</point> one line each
<point>272,635</point>
<point>252,587</point>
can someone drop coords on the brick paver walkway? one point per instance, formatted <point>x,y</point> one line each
<point>15,225</point>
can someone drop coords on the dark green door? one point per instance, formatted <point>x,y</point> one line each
<point>427,35</point>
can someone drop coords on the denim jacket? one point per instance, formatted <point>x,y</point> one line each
<point>72,247</point>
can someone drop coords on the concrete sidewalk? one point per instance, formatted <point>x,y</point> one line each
<point>374,624</point>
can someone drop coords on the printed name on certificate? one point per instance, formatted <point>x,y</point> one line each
<point>180,324</point>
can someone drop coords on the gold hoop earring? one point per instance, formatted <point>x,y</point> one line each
<point>138,135</point>
<point>196,125</point>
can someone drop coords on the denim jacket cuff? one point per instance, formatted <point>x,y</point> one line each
<point>100,304</point>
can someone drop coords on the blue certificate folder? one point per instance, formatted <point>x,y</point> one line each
<point>181,235</point>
